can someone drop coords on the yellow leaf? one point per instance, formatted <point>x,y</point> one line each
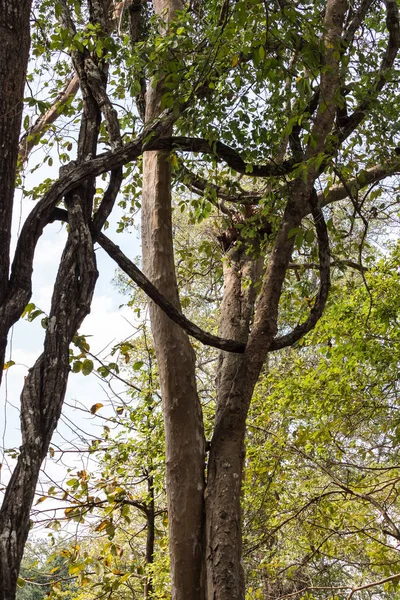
<point>54,570</point>
<point>235,60</point>
<point>74,569</point>
<point>102,525</point>
<point>41,499</point>
<point>8,364</point>
<point>96,407</point>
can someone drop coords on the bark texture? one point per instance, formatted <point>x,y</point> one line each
<point>14,51</point>
<point>43,393</point>
<point>185,445</point>
<point>223,493</point>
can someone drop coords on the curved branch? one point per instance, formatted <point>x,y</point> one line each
<point>356,21</point>
<point>73,174</point>
<point>373,584</point>
<point>335,263</point>
<point>107,203</point>
<point>363,179</point>
<point>223,152</point>
<point>173,313</point>
<point>324,269</point>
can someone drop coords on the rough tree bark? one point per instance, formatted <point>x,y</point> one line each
<point>223,515</point>
<point>44,388</point>
<point>185,444</point>
<point>194,543</point>
<point>14,52</point>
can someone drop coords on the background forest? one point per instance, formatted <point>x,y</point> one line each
<point>246,442</point>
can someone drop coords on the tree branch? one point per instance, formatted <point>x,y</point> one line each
<point>373,584</point>
<point>173,313</point>
<point>363,179</point>
<point>324,269</point>
<point>216,194</point>
<point>336,263</point>
<point>224,152</point>
<point>356,21</point>
<point>330,76</point>
<point>29,139</point>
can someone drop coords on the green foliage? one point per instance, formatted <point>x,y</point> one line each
<point>321,499</point>
<point>45,572</point>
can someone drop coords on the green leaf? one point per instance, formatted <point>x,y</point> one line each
<point>87,366</point>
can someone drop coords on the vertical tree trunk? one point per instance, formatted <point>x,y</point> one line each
<point>185,445</point>
<point>14,51</point>
<point>223,493</point>
<point>224,580</point>
<point>45,385</point>
<point>237,378</point>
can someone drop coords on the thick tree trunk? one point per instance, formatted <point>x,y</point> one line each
<point>225,469</point>
<point>237,378</point>
<point>14,51</point>
<point>223,493</point>
<point>44,388</point>
<point>185,445</point>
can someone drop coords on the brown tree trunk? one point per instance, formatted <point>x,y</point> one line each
<point>45,385</point>
<point>183,422</point>
<point>237,377</point>
<point>14,51</point>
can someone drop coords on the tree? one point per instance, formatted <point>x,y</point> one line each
<point>299,102</point>
<point>43,569</point>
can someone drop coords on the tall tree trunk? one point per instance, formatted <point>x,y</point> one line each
<point>183,422</point>
<point>223,492</point>
<point>237,377</point>
<point>14,51</point>
<point>45,385</point>
<point>225,469</point>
